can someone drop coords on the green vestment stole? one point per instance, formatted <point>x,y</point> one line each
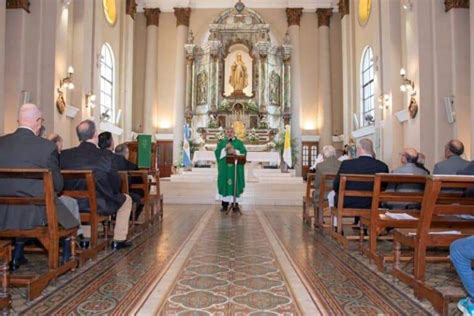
<point>225,180</point>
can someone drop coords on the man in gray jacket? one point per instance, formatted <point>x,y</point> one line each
<point>453,151</point>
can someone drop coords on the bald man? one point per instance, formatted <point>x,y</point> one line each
<point>409,158</point>
<point>453,163</point>
<point>25,149</point>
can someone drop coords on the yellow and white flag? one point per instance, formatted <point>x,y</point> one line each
<point>287,147</point>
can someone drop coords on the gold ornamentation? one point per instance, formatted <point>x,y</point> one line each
<point>110,11</point>
<point>456,4</point>
<point>324,17</point>
<point>294,16</point>
<point>413,108</point>
<point>365,7</point>
<point>152,17</point>
<point>131,8</point>
<point>60,103</point>
<point>182,16</point>
<point>239,76</point>
<point>19,4</point>
<point>344,7</point>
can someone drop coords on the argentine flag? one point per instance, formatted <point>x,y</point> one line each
<point>186,148</point>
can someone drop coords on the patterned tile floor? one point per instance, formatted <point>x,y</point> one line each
<point>201,262</point>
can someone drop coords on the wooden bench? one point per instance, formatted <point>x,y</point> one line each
<point>5,258</point>
<point>308,198</point>
<point>385,193</point>
<point>90,216</point>
<point>439,205</point>
<point>49,236</point>
<point>152,202</point>
<point>323,210</point>
<point>340,212</point>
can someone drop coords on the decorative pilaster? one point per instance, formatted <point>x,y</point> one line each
<point>182,16</point>
<point>151,56</point>
<point>456,4</point>
<point>19,4</point>
<point>344,7</point>
<point>182,33</point>
<point>324,17</point>
<point>293,16</point>
<point>152,17</point>
<point>131,8</point>
<point>324,74</point>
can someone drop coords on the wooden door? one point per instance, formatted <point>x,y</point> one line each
<point>309,153</point>
<point>164,154</point>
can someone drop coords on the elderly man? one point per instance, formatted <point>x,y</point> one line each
<point>25,149</point>
<point>88,156</point>
<point>226,177</point>
<point>454,163</point>
<point>409,159</point>
<point>365,163</point>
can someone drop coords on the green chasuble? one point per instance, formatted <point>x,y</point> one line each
<point>225,180</point>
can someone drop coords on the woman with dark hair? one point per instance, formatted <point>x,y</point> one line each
<point>106,141</point>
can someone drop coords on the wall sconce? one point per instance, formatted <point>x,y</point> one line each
<point>407,84</point>
<point>90,98</point>
<point>384,101</point>
<point>66,82</point>
<point>407,5</point>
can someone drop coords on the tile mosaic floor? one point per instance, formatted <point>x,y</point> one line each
<point>202,262</point>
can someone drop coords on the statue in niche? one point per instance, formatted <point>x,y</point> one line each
<point>202,83</point>
<point>238,77</point>
<point>275,88</point>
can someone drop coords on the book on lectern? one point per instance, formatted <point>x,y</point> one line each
<point>144,151</point>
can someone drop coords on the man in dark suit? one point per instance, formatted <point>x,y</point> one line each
<point>454,163</point>
<point>25,149</point>
<point>109,200</point>
<point>364,164</point>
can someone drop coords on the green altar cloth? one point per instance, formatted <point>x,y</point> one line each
<point>225,179</point>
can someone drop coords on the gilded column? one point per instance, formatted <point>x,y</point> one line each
<point>151,56</point>
<point>324,74</point>
<point>182,30</point>
<point>294,17</point>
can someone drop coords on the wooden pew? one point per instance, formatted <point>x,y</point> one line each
<point>340,212</point>
<point>323,209</point>
<point>5,257</point>
<point>124,187</point>
<point>308,198</point>
<point>91,216</point>
<point>438,205</point>
<point>377,222</point>
<point>49,236</point>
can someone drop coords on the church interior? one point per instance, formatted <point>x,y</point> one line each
<point>290,157</point>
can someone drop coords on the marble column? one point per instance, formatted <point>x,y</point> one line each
<point>151,58</point>
<point>294,17</point>
<point>324,76</point>
<point>182,29</point>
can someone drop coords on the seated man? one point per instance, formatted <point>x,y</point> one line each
<point>330,165</point>
<point>453,151</point>
<point>365,163</point>
<point>88,156</point>
<point>25,149</point>
<point>461,253</point>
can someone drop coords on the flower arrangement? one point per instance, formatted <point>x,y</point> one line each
<point>252,137</point>
<point>221,135</point>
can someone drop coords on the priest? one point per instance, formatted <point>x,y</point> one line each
<point>230,145</point>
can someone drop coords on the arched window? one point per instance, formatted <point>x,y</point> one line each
<point>107,71</point>
<point>367,87</point>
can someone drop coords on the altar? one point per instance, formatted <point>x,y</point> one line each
<point>271,157</point>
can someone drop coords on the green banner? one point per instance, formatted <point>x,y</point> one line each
<point>144,151</point>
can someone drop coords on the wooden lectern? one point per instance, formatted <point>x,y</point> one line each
<point>235,160</point>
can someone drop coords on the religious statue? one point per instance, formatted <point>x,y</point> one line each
<point>202,83</point>
<point>226,180</point>
<point>275,88</point>
<point>238,77</point>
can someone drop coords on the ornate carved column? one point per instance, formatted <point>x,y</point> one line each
<point>151,56</point>
<point>182,30</point>
<point>324,18</point>
<point>189,47</point>
<point>294,17</point>
<point>131,8</point>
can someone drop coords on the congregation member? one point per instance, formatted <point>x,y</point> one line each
<point>453,163</point>
<point>421,163</point>
<point>330,165</point>
<point>365,163</point>
<point>88,156</point>
<point>24,148</point>
<point>345,153</point>
<point>461,253</point>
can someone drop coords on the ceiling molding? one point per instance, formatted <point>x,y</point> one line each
<point>169,5</point>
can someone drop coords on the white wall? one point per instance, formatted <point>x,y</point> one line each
<point>2,64</point>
